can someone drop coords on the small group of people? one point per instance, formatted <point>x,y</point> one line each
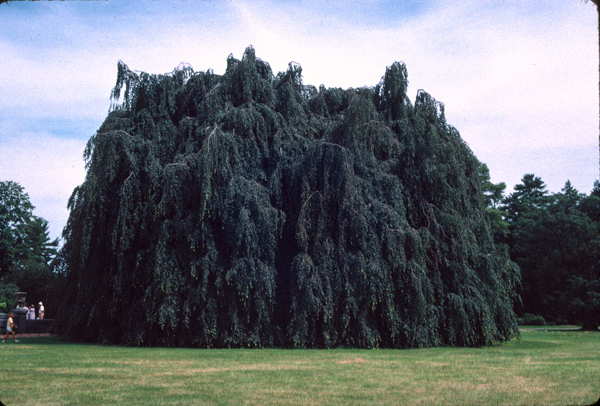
<point>31,312</point>
<point>10,324</point>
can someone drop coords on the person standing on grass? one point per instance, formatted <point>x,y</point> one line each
<point>32,312</point>
<point>9,328</point>
<point>41,311</point>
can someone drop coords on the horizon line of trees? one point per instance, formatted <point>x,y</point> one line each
<point>555,240</point>
<point>553,237</point>
<point>28,256</point>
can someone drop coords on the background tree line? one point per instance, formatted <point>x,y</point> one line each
<point>28,258</point>
<point>555,239</point>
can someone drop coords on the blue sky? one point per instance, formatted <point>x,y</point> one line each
<point>519,80</point>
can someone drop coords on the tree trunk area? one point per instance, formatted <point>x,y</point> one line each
<point>591,320</point>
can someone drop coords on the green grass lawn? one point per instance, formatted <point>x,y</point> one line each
<point>543,368</point>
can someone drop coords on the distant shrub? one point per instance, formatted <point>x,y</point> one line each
<point>529,319</point>
<point>7,296</point>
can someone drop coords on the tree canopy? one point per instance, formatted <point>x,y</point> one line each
<point>26,251</point>
<point>250,209</point>
<point>554,240</point>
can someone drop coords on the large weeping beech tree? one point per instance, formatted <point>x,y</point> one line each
<point>249,209</point>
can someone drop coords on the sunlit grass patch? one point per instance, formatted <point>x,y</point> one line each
<point>549,368</point>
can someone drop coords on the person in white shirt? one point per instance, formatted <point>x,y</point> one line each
<point>32,312</point>
<point>41,311</point>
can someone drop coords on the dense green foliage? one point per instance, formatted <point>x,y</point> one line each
<point>249,209</point>
<point>555,239</point>
<point>7,296</point>
<point>26,251</point>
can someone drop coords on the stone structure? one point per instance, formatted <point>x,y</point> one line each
<point>25,326</point>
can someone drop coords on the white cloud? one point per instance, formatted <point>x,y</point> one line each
<point>519,80</point>
<point>48,167</point>
<point>514,76</point>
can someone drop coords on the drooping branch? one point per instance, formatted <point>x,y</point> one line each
<point>303,217</point>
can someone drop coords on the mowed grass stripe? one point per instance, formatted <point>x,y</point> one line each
<point>543,368</point>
